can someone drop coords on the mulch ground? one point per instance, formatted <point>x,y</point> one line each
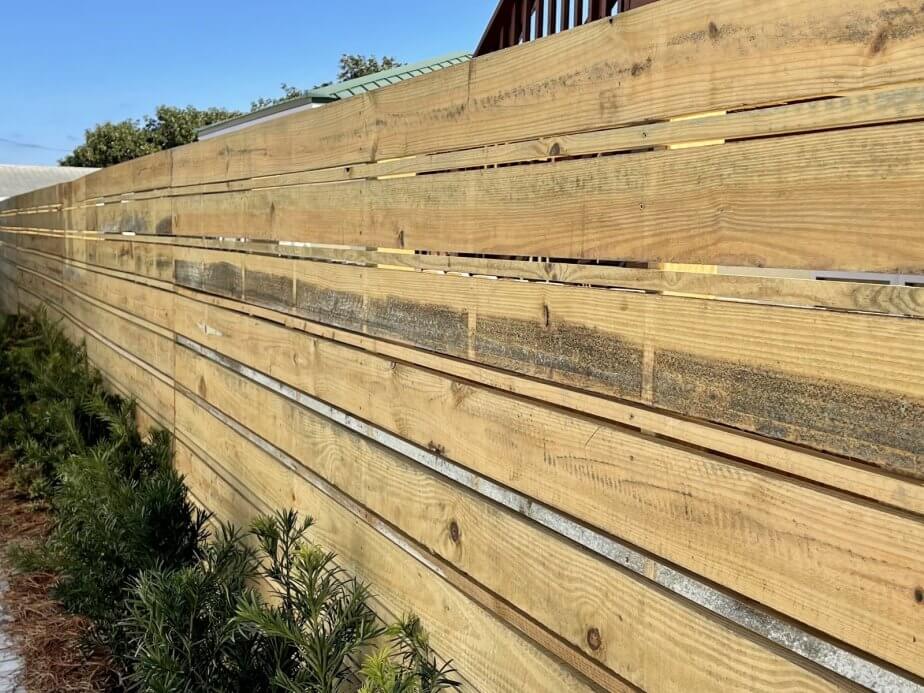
<point>51,642</point>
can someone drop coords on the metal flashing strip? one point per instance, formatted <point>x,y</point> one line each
<point>834,658</point>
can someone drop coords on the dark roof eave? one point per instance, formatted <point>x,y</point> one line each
<point>305,100</point>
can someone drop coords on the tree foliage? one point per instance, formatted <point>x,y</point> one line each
<point>352,65</point>
<point>112,143</point>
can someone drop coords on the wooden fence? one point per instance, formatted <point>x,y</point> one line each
<point>437,318</point>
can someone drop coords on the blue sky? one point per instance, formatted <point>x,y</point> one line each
<point>66,66</point>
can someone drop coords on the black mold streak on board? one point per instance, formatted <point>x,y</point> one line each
<point>421,324</point>
<point>862,423</point>
<point>564,352</point>
<point>342,309</point>
<point>214,277</point>
<point>269,289</point>
<point>429,325</point>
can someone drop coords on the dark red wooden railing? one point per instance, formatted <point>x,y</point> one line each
<point>518,21</point>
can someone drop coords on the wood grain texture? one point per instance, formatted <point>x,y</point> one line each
<point>150,383</point>
<point>152,304</point>
<point>861,480</point>
<point>771,448</point>
<point>666,60</point>
<point>663,61</point>
<point>496,547</point>
<point>866,107</point>
<point>145,259</point>
<point>708,205</point>
<point>757,368</point>
<point>487,652</point>
<point>838,473</point>
<point>660,62</point>
<point>694,509</point>
<point>143,173</point>
<point>774,290</point>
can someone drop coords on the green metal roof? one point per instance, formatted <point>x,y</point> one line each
<point>353,87</point>
<point>336,92</point>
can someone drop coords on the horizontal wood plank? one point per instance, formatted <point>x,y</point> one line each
<point>691,508</point>
<point>486,651</point>
<point>496,547</point>
<point>709,205</point>
<point>665,60</point>
<point>753,367</point>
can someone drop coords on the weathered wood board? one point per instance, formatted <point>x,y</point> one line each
<point>537,340</point>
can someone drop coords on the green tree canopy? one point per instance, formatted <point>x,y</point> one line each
<point>111,143</point>
<point>351,67</point>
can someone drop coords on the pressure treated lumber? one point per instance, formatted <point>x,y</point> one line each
<point>143,173</point>
<point>757,368</point>
<point>839,473</point>
<point>865,107</point>
<point>833,472</point>
<point>151,387</point>
<point>153,256</point>
<point>486,651</point>
<point>154,261</point>
<point>704,513</point>
<point>156,307</point>
<point>496,548</point>
<point>710,205</point>
<point>672,59</point>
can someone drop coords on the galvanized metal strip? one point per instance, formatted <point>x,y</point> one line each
<point>828,655</point>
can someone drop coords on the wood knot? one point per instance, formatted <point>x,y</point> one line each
<point>454,532</point>
<point>594,639</point>
<point>879,41</point>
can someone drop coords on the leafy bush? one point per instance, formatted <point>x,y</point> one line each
<point>115,519</point>
<point>321,618</point>
<point>120,507</point>
<point>321,623</point>
<point>206,627</point>
<point>181,613</point>
<point>54,404</point>
<point>183,628</point>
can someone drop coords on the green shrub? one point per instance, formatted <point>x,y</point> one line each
<point>54,406</point>
<point>407,665</point>
<point>119,512</point>
<point>180,613</point>
<point>120,507</point>
<point>205,627</point>
<point>320,619</point>
<point>321,624</point>
<point>183,629</point>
